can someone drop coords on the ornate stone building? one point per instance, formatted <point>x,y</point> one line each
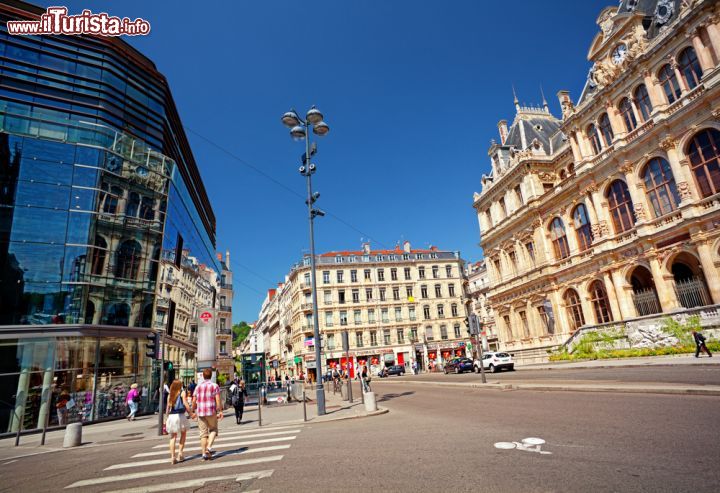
<point>478,285</point>
<point>398,306</point>
<point>611,213</point>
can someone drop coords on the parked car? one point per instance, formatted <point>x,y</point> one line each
<point>495,362</point>
<point>458,365</point>
<point>392,370</point>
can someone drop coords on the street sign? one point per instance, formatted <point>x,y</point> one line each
<point>206,317</point>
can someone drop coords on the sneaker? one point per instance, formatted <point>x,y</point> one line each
<point>206,456</point>
<point>211,452</point>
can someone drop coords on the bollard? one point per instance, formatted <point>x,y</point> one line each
<point>304,408</point>
<point>259,410</point>
<point>370,404</point>
<point>73,435</point>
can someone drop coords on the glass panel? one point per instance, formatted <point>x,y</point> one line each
<point>33,224</point>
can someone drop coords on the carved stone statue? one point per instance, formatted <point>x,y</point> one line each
<point>636,42</point>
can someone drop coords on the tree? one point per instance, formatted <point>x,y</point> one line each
<point>240,333</point>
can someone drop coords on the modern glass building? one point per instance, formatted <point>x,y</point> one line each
<point>103,221</point>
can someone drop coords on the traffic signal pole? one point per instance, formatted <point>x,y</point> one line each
<point>161,390</point>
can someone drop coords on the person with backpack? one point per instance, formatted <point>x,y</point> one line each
<point>700,344</point>
<point>133,399</point>
<point>238,393</point>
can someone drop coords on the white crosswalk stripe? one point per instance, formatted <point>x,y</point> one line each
<point>237,451</point>
<point>220,446</point>
<point>196,483</point>
<point>223,438</point>
<point>198,456</point>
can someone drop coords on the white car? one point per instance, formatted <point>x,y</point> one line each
<point>495,362</point>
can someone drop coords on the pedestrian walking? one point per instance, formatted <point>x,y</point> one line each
<point>238,394</point>
<point>62,405</point>
<point>191,387</point>
<point>208,409</point>
<point>176,421</point>
<point>700,344</point>
<point>133,399</point>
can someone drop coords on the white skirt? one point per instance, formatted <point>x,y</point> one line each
<point>176,423</point>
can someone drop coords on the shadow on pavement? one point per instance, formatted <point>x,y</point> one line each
<point>387,397</point>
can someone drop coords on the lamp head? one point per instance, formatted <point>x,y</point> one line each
<point>314,116</point>
<point>297,132</point>
<point>321,129</point>
<point>290,119</point>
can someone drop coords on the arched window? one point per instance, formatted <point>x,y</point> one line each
<point>669,83</point>
<point>594,137</point>
<point>600,303</point>
<point>660,186</point>
<point>704,154</point>
<point>574,309</point>
<point>581,221</point>
<point>626,110</point>
<point>559,239</point>
<point>119,314</point>
<point>621,206</point>
<point>642,100</point>
<point>133,204</point>
<point>147,210</point>
<point>110,198</point>
<point>98,256</point>
<point>127,261</point>
<point>606,129</point>
<point>690,68</point>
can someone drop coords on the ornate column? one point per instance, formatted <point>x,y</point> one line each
<point>616,123</point>
<point>704,58</point>
<point>680,172</point>
<point>713,30</point>
<point>651,84</point>
<point>676,68</point>
<point>587,307</point>
<point>664,284</point>
<point>577,153</point>
<point>569,230</point>
<point>612,296</point>
<point>712,276</point>
<point>623,291</point>
<point>633,105</point>
<point>603,222</point>
<point>636,194</point>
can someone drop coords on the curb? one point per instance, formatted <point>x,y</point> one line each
<point>712,391</point>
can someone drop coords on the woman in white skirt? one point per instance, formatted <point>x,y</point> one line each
<point>177,406</point>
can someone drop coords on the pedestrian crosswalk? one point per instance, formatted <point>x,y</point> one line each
<point>241,455</point>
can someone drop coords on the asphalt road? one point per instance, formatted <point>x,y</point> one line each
<point>691,374</point>
<point>433,439</point>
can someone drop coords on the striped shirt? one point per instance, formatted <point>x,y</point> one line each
<point>204,395</point>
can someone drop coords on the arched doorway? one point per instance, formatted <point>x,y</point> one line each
<point>644,294</point>
<point>690,287</point>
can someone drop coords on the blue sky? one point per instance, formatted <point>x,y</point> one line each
<point>412,91</point>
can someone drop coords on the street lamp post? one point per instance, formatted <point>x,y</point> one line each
<point>299,129</point>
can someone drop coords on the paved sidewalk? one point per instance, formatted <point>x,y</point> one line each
<point>574,386</point>
<point>146,427</point>
<point>670,360</point>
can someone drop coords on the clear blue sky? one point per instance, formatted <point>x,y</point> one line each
<point>412,91</point>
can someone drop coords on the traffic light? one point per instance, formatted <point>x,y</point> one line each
<point>170,370</point>
<point>152,345</point>
<point>467,325</point>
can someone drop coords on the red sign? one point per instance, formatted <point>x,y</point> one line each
<point>205,316</point>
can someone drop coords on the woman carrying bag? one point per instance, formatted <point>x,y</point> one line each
<point>177,406</point>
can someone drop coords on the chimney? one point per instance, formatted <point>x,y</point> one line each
<point>366,248</point>
<point>219,256</point>
<point>565,101</point>
<point>503,129</point>
<point>406,246</point>
<point>227,259</point>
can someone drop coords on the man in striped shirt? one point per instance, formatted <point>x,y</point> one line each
<point>208,409</point>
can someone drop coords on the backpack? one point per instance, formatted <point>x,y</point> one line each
<point>235,398</point>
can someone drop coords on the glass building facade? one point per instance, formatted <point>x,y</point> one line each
<point>104,223</point>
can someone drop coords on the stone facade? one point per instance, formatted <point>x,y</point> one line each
<point>225,363</point>
<point>612,212</point>
<point>398,306</point>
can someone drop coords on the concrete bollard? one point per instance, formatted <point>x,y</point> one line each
<point>370,404</point>
<point>343,392</point>
<point>73,435</point>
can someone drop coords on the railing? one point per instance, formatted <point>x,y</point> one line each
<point>224,331</point>
<point>691,292</point>
<point>306,306</point>
<point>646,301</point>
<point>226,286</point>
<point>225,308</point>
